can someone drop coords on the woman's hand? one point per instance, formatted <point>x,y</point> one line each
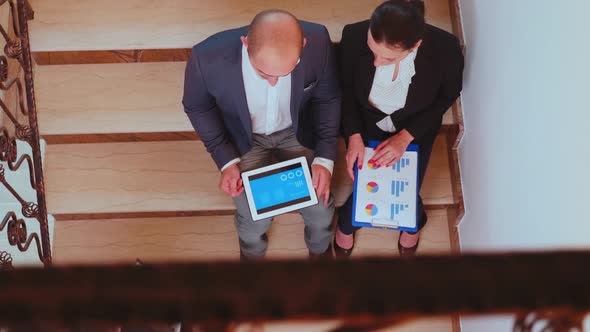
<point>391,150</point>
<point>355,152</point>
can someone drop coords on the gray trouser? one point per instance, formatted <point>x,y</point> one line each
<point>283,145</point>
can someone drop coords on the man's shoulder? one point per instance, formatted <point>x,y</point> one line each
<point>220,42</point>
<point>313,28</point>
<point>317,35</point>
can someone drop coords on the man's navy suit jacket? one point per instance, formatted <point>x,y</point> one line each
<point>215,99</point>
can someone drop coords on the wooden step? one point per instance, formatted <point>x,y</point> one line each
<point>111,98</point>
<point>132,177</point>
<point>431,324</point>
<point>99,101</point>
<point>156,240</point>
<point>71,25</point>
<point>171,178</point>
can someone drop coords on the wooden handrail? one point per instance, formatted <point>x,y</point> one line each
<point>373,287</point>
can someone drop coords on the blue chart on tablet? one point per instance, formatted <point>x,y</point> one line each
<point>279,188</point>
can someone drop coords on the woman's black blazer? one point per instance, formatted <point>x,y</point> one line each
<point>434,88</point>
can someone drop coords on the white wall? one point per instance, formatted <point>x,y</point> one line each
<point>524,158</point>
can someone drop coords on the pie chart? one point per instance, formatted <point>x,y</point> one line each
<point>372,164</point>
<point>371,210</point>
<point>372,187</point>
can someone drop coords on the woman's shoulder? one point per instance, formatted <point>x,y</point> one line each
<point>355,31</point>
<point>440,39</point>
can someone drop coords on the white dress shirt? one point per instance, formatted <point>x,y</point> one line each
<point>269,106</point>
<point>388,95</point>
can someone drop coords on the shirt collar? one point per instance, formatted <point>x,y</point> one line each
<point>411,57</point>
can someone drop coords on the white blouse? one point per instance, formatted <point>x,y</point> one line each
<point>388,95</point>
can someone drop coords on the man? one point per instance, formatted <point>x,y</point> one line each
<point>263,91</point>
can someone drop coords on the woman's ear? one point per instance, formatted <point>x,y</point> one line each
<point>418,43</point>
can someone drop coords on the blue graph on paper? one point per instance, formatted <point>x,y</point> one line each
<point>397,209</point>
<point>398,187</point>
<point>397,197</point>
<point>401,164</point>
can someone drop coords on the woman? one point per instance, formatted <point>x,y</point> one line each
<point>399,76</point>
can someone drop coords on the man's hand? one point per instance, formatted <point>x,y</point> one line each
<point>231,182</point>
<point>392,149</point>
<point>321,179</point>
<point>355,152</point>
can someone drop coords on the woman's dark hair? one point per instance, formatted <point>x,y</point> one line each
<point>399,23</point>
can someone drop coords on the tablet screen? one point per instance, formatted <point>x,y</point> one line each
<point>279,188</point>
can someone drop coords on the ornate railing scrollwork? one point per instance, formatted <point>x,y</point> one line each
<point>16,230</point>
<point>5,261</point>
<point>549,321</point>
<point>18,110</point>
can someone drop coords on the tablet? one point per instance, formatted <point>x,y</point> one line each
<point>279,188</point>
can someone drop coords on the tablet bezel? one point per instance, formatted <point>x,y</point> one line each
<point>302,161</point>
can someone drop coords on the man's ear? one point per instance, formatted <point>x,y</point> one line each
<point>244,40</point>
<point>304,41</point>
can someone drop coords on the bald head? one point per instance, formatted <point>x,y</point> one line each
<point>277,29</point>
<point>275,40</point>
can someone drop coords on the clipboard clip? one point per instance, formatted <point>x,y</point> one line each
<point>384,222</point>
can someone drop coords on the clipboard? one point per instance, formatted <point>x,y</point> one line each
<point>393,203</point>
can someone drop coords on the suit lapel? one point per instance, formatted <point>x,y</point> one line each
<point>235,82</point>
<point>297,82</point>
<point>422,81</point>
<point>366,74</point>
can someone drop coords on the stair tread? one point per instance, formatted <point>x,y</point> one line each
<point>111,98</point>
<point>173,176</point>
<point>212,238</point>
<point>438,324</point>
<point>72,25</point>
<point>114,98</point>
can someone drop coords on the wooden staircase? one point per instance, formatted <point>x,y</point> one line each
<point>126,177</point>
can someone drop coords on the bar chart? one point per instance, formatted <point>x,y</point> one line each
<point>401,164</point>
<point>397,209</point>
<point>399,187</point>
<point>386,197</point>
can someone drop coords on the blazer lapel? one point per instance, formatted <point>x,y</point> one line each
<point>365,75</point>
<point>235,83</point>
<point>297,82</point>
<point>423,80</point>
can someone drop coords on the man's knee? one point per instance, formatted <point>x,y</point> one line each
<point>319,215</point>
<point>324,208</point>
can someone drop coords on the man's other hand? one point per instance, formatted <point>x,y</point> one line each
<point>231,182</point>
<point>321,179</point>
